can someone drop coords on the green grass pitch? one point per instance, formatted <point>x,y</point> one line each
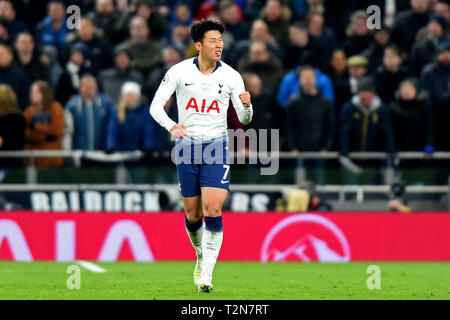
<point>232,280</point>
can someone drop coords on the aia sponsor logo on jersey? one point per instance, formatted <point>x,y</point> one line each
<point>192,104</point>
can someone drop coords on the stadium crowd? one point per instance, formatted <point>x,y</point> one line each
<point>313,67</point>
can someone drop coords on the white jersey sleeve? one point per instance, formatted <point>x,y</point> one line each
<point>166,89</point>
<point>244,114</point>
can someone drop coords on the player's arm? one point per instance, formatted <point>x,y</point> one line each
<point>166,89</point>
<point>241,101</point>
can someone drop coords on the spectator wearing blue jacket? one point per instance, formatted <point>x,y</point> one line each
<point>53,29</point>
<point>89,112</point>
<point>290,86</point>
<point>130,127</point>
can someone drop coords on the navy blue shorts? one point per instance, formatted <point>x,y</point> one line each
<point>202,164</point>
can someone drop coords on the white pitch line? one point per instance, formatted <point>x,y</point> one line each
<point>90,266</point>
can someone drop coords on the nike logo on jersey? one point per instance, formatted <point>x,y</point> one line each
<point>188,84</point>
<point>224,181</point>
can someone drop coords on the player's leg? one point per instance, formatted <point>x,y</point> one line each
<point>188,177</point>
<point>212,201</point>
<point>194,229</point>
<point>214,183</point>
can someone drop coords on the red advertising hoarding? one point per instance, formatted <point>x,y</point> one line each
<point>325,237</point>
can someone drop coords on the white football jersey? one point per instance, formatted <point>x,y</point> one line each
<point>202,100</point>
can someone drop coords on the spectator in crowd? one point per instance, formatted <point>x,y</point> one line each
<point>309,119</point>
<point>180,36</point>
<point>13,76</point>
<point>359,36</point>
<point>298,50</point>
<point>259,32</point>
<point>389,75</point>
<point>105,19</point>
<point>27,57</point>
<point>140,46</point>
<point>78,65</point>
<point>408,23</point>
<point>375,52</point>
<point>269,116</point>
<point>111,80</point>
<point>147,10</point>
<point>267,66</point>
<point>90,112</point>
<point>8,16</point>
<point>346,87</point>
<point>322,39</point>
<point>99,49</point>
<point>171,56</point>
<point>412,118</point>
<point>49,59</point>
<point>270,57</point>
<point>12,126</point>
<point>365,122</point>
<point>44,123</point>
<point>341,87</point>
<point>181,14</point>
<point>228,12</point>
<point>277,16</point>
<point>53,29</point>
<point>130,127</point>
<point>442,8</point>
<point>290,85</point>
<point>340,77</point>
<point>427,44</point>
<point>435,76</point>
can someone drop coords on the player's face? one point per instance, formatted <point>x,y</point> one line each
<point>212,45</point>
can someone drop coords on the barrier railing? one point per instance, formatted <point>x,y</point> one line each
<point>135,155</point>
<point>121,157</point>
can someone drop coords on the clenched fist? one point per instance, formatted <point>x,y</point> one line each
<point>178,131</point>
<point>245,99</point>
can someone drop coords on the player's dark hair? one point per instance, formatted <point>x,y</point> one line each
<point>199,29</point>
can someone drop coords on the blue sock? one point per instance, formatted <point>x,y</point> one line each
<point>214,224</point>
<point>192,227</point>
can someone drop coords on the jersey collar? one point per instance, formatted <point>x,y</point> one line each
<point>198,67</point>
